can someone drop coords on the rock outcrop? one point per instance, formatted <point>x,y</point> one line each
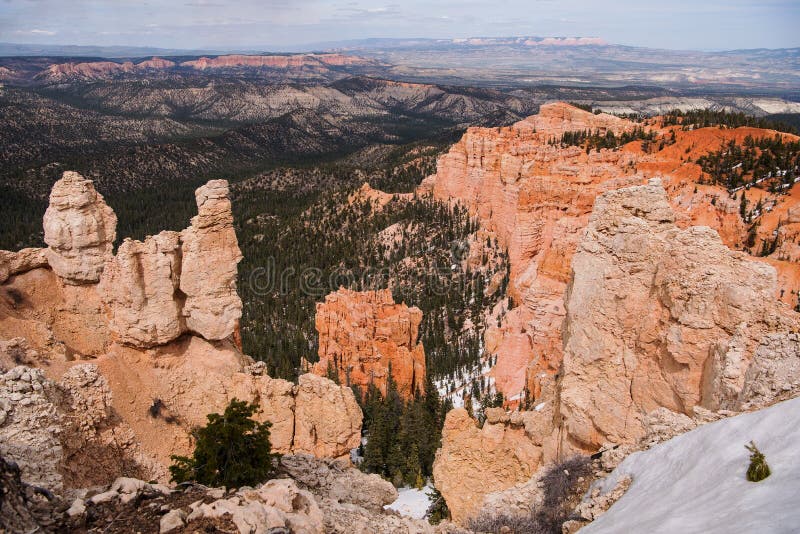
<point>657,316</point>
<point>351,501</point>
<point>473,462</point>
<point>208,273</point>
<point>536,195</point>
<point>158,318</point>
<point>140,289</point>
<point>666,328</point>
<point>309,496</point>
<point>327,418</point>
<point>174,283</point>
<point>363,335</point>
<point>63,434</point>
<point>79,229</point>
<point>27,259</point>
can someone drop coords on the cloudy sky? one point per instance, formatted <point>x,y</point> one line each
<point>680,24</point>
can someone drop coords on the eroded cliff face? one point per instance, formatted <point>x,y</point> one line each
<point>364,335</point>
<point>536,197</point>
<point>657,316</point>
<point>157,320</point>
<point>659,319</point>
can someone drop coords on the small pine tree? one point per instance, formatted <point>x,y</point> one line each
<point>232,450</point>
<point>437,511</point>
<point>758,469</point>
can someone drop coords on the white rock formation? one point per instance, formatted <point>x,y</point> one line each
<point>79,229</point>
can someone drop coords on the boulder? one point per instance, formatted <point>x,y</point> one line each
<point>474,462</point>
<point>327,418</point>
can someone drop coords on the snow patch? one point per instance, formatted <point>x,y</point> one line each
<point>412,502</point>
<point>696,482</point>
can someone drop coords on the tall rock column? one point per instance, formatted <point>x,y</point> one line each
<point>79,229</point>
<point>140,290</point>
<point>210,255</point>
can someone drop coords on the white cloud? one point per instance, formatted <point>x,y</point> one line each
<point>35,32</point>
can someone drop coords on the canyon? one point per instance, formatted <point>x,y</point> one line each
<point>536,197</point>
<point>619,304</point>
<point>634,308</point>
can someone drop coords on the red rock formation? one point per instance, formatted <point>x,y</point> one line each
<point>156,63</point>
<point>364,334</point>
<point>274,62</point>
<point>659,318</point>
<point>536,197</point>
<point>93,69</point>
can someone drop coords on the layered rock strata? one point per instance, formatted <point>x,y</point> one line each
<point>536,195</point>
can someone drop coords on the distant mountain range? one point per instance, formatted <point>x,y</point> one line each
<point>510,62</point>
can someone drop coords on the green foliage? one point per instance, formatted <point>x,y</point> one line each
<point>702,118</point>
<point>584,107</point>
<point>232,450</point>
<point>758,469</point>
<point>284,236</point>
<point>402,436</point>
<point>437,511</point>
<point>769,161</point>
<point>597,140</point>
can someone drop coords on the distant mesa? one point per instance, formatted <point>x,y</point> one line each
<point>102,69</point>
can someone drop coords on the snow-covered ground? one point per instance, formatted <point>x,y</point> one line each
<point>412,502</point>
<point>695,483</point>
<point>463,382</point>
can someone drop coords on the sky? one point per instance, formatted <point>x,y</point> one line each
<point>262,24</point>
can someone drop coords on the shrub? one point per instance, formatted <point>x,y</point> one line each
<point>155,408</point>
<point>561,492</point>
<point>758,469</point>
<point>232,450</point>
<point>437,511</point>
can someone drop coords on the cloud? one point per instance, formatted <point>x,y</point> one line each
<point>35,32</point>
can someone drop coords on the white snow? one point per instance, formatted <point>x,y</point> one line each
<point>695,483</point>
<point>412,502</point>
<point>539,406</point>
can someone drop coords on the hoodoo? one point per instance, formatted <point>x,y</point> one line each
<point>365,336</point>
<point>152,328</point>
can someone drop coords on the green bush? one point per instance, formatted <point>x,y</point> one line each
<point>232,450</point>
<point>758,469</point>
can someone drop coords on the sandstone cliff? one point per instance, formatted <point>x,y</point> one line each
<point>657,316</point>
<point>364,335</point>
<point>157,321</point>
<point>662,324</point>
<point>536,196</point>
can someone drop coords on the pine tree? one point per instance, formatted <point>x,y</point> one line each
<point>232,450</point>
<point>758,469</point>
